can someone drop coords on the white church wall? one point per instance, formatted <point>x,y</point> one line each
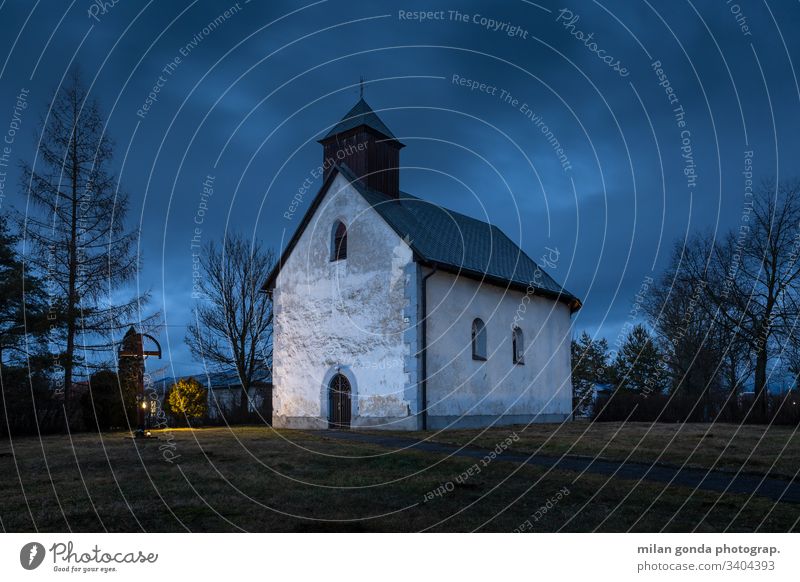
<point>462,392</point>
<point>353,316</point>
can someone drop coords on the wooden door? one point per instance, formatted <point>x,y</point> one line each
<point>339,402</point>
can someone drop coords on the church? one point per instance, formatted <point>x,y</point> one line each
<point>393,313</point>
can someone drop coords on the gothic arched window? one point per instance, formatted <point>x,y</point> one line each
<point>518,345</point>
<point>478,340</point>
<point>338,241</point>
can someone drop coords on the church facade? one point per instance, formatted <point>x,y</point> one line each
<point>391,312</point>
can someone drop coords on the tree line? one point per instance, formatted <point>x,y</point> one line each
<point>720,336</point>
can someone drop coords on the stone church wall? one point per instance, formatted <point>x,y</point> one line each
<point>463,392</point>
<point>356,317</point>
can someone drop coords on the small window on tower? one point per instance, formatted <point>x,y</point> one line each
<point>339,242</point>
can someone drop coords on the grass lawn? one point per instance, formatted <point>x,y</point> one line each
<point>257,479</point>
<point>758,449</point>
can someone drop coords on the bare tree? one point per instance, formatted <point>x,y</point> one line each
<point>754,279</point>
<point>706,358</point>
<point>232,328</point>
<point>80,248</point>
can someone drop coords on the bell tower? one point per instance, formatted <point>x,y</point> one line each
<point>367,147</point>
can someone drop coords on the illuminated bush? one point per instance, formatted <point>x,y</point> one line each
<point>188,399</point>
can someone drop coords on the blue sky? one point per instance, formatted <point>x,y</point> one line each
<point>251,94</point>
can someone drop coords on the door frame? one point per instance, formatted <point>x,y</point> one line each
<point>325,399</point>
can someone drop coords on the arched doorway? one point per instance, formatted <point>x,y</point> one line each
<point>339,402</point>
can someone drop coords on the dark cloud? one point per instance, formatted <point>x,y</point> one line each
<point>251,96</point>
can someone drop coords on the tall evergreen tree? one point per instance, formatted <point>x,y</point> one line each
<point>589,368</point>
<point>639,365</point>
<point>78,237</point>
<point>22,303</point>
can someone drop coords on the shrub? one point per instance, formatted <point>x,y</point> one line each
<point>26,403</point>
<point>109,404</point>
<point>625,405</point>
<point>187,400</point>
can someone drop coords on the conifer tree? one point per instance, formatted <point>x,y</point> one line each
<point>80,246</point>
<point>589,368</point>
<point>639,365</point>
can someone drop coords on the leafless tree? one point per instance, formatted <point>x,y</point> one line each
<point>753,278</point>
<point>80,247</point>
<point>707,359</point>
<point>232,327</point>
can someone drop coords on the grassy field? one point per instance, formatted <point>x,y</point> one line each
<point>758,449</point>
<point>257,479</point>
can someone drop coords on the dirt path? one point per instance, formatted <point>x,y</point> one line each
<point>709,480</point>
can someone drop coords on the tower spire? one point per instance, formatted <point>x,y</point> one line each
<point>361,88</point>
<point>363,143</point>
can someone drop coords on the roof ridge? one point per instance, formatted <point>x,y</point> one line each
<point>434,240</point>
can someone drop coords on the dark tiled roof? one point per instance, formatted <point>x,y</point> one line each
<point>449,240</point>
<point>459,243</point>
<point>360,114</point>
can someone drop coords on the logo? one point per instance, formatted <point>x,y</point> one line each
<point>31,555</point>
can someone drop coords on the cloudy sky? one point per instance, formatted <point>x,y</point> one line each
<point>654,104</point>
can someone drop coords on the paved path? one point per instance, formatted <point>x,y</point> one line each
<point>715,480</point>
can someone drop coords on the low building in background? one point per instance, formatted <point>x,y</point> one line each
<point>224,397</point>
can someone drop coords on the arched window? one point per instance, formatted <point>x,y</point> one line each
<point>518,345</point>
<point>478,340</point>
<point>338,241</point>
